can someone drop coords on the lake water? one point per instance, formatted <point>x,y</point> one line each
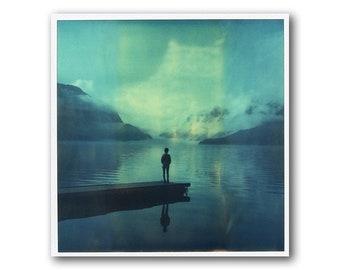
<point>236,197</point>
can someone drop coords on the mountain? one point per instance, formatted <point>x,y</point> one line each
<point>268,133</point>
<point>218,122</point>
<point>200,125</point>
<point>81,117</point>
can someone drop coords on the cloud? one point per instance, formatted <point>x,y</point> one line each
<point>205,124</point>
<point>188,80</point>
<point>222,121</point>
<point>140,49</point>
<point>142,45</point>
<point>86,85</point>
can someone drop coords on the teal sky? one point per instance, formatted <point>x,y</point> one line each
<point>156,74</point>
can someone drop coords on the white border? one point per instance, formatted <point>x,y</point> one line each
<point>169,16</point>
<point>286,134</point>
<point>164,16</point>
<point>53,158</point>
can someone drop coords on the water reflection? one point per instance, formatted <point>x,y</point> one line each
<point>83,163</point>
<point>237,198</point>
<point>165,219</point>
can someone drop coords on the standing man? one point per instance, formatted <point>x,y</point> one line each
<point>166,160</point>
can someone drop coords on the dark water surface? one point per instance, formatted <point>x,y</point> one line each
<point>236,197</point>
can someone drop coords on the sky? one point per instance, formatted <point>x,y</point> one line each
<point>186,78</point>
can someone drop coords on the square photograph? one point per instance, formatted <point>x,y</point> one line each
<point>170,135</point>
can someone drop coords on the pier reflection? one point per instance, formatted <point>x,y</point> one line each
<point>100,202</point>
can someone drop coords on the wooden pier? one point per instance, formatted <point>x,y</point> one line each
<point>86,201</point>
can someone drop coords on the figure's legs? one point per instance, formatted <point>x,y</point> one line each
<point>167,174</point>
<point>163,174</point>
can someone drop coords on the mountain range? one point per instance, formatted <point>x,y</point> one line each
<point>267,133</point>
<point>81,117</point>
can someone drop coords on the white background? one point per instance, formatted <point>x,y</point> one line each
<point>25,133</point>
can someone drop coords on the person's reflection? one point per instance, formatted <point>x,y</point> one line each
<point>165,220</point>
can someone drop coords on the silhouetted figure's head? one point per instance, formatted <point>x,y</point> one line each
<point>166,149</point>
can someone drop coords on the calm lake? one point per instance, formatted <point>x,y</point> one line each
<point>236,197</point>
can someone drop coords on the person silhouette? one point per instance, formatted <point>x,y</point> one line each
<point>166,161</point>
<point>165,219</point>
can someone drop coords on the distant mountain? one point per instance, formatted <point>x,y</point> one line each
<point>219,122</point>
<point>199,126</point>
<point>268,133</point>
<point>81,117</point>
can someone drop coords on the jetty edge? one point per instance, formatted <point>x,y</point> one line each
<point>93,200</point>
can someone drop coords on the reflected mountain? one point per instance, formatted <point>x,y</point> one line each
<point>88,201</point>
